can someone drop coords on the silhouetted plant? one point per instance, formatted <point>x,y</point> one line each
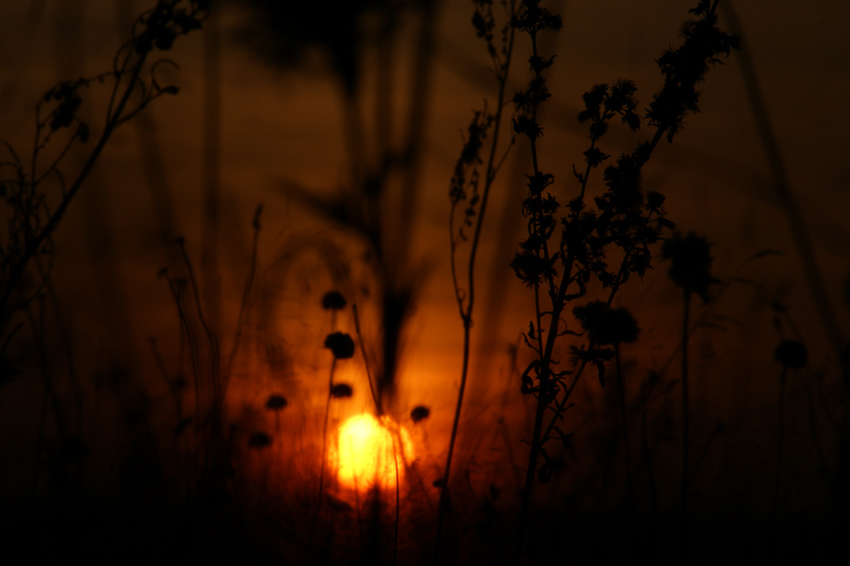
<point>791,354</point>
<point>341,346</point>
<point>259,440</point>
<point>34,208</point>
<point>419,413</point>
<point>564,252</point>
<point>211,451</point>
<point>690,269</point>
<point>341,391</point>
<point>333,301</point>
<point>615,326</point>
<point>469,194</point>
<point>276,403</point>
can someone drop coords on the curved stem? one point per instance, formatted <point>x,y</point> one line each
<point>466,303</point>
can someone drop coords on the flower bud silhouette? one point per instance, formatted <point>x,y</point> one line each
<point>341,391</point>
<point>341,345</point>
<point>791,354</point>
<point>691,260</point>
<point>333,301</point>
<point>419,413</point>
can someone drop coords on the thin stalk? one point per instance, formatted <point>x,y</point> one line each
<point>650,476</point>
<point>627,452</point>
<point>396,438</point>
<point>542,403</point>
<point>466,304</point>
<point>322,464</point>
<point>246,299</point>
<point>34,244</point>
<point>325,434</point>
<point>780,441</point>
<point>685,412</point>
<point>543,371</point>
<point>377,401</point>
<point>211,166</point>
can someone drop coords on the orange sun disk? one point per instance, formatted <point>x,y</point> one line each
<point>368,452</point>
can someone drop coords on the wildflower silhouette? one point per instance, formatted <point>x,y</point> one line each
<point>341,345</point>
<point>276,403</point>
<point>34,208</point>
<point>690,263</point>
<point>690,268</point>
<point>333,300</point>
<point>469,193</point>
<point>259,440</point>
<point>419,413</point>
<point>341,391</point>
<point>568,247</point>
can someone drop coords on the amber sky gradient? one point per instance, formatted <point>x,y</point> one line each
<point>278,126</point>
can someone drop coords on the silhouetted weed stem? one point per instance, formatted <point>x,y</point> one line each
<point>685,405</point>
<point>396,443</point>
<point>187,332</point>
<point>33,222</point>
<point>790,205</point>
<point>690,269</point>
<point>246,297</point>
<point>214,358</point>
<point>342,348</point>
<point>536,262</point>
<point>484,22</point>
<point>624,218</point>
<point>47,395</point>
<point>325,435</point>
<point>780,440</point>
<point>375,398</point>
<point>621,384</point>
<point>791,354</point>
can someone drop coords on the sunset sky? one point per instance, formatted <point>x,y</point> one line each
<point>282,126</point>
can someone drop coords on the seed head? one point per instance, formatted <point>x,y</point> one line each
<point>341,344</point>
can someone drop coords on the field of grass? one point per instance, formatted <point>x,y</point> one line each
<point>386,282</point>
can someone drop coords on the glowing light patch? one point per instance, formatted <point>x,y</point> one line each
<point>366,451</point>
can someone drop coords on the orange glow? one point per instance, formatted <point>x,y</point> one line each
<point>366,451</point>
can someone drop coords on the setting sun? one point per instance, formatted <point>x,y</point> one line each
<point>366,450</point>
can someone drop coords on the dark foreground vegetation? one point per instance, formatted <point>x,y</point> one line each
<point>601,456</point>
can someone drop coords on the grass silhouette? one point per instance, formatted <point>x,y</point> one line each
<point>222,452</point>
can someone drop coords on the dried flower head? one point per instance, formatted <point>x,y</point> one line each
<point>276,402</point>
<point>420,413</point>
<point>341,391</point>
<point>259,440</point>
<point>333,301</point>
<point>614,326</point>
<point>791,354</point>
<point>691,259</point>
<point>341,344</point>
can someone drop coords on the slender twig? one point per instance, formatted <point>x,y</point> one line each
<point>685,412</point>
<point>621,385</point>
<point>466,300</point>
<point>780,440</point>
<point>246,298</point>
<point>365,360</point>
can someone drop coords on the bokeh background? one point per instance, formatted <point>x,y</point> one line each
<point>260,120</point>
